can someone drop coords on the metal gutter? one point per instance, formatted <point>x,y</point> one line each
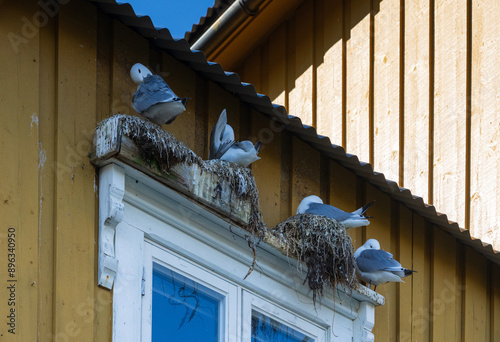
<point>226,24</point>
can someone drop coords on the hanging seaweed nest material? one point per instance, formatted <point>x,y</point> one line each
<point>243,184</point>
<point>159,147</point>
<point>323,245</point>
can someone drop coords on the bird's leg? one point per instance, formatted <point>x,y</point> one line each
<point>375,288</point>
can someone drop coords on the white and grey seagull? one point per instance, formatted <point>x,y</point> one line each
<point>314,205</point>
<point>375,266</point>
<point>154,99</point>
<point>224,147</point>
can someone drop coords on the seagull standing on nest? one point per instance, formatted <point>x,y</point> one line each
<point>314,205</point>
<point>224,147</point>
<point>376,266</point>
<point>154,99</point>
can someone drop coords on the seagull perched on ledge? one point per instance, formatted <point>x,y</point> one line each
<point>154,99</point>
<point>376,266</point>
<point>224,147</point>
<point>314,205</point>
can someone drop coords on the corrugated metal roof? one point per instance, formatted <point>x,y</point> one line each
<point>213,13</point>
<point>179,48</point>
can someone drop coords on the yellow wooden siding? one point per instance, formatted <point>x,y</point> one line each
<point>20,191</point>
<point>75,73</point>
<point>450,68</point>
<point>409,86</point>
<point>358,61</point>
<point>485,123</point>
<point>417,149</point>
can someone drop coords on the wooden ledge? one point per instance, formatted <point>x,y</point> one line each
<point>195,180</point>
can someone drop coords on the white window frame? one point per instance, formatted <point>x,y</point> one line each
<point>255,302</point>
<point>142,221</point>
<point>155,253</point>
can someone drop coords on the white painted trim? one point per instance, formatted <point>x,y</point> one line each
<point>157,217</point>
<point>111,191</point>
<point>127,292</point>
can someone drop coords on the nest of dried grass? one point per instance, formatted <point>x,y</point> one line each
<point>159,146</point>
<point>323,245</point>
<point>155,143</point>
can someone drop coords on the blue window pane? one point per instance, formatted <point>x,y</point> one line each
<point>266,329</point>
<point>184,310</point>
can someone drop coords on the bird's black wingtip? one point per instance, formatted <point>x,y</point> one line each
<point>258,145</point>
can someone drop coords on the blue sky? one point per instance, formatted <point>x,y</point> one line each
<point>176,15</point>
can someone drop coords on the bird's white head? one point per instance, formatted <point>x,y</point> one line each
<point>304,205</point>
<point>372,244</point>
<point>369,244</point>
<point>138,72</point>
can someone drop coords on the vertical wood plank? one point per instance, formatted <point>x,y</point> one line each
<point>264,69</point>
<point>450,108</point>
<point>445,287</point>
<point>251,72</point>
<point>47,89</point>
<point>301,95</point>
<point>277,65</point>
<point>476,323</point>
<point>380,229</point>
<point>182,80</point>
<point>104,65</point>
<point>495,302</point>
<point>219,99</point>
<point>329,71</point>
<point>128,48</point>
<point>357,26</point>
<point>405,257</point>
<point>386,66</point>
<point>343,195</point>
<point>75,224</point>
<point>420,317</point>
<point>202,129</point>
<point>267,170</point>
<point>286,209</point>
<point>305,172</point>
<point>20,191</point>
<point>485,127</point>
<point>416,98</point>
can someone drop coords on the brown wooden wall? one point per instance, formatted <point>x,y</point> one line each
<point>73,73</point>
<point>409,86</point>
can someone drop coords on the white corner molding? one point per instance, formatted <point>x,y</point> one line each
<point>363,324</point>
<point>111,192</point>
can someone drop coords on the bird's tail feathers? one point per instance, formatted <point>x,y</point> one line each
<point>258,145</point>
<point>409,272</point>
<point>363,209</point>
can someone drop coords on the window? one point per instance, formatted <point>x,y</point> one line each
<point>266,329</point>
<point>184,310</point>
<point>184,301</point>
<point>273,323</point>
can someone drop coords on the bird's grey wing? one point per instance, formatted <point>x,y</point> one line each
<point>216,143</point>
<point>151,91</point>
<point>373,260</point>
<point>328,211</point>
<point>245,145</point>
<point>223,148</point>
